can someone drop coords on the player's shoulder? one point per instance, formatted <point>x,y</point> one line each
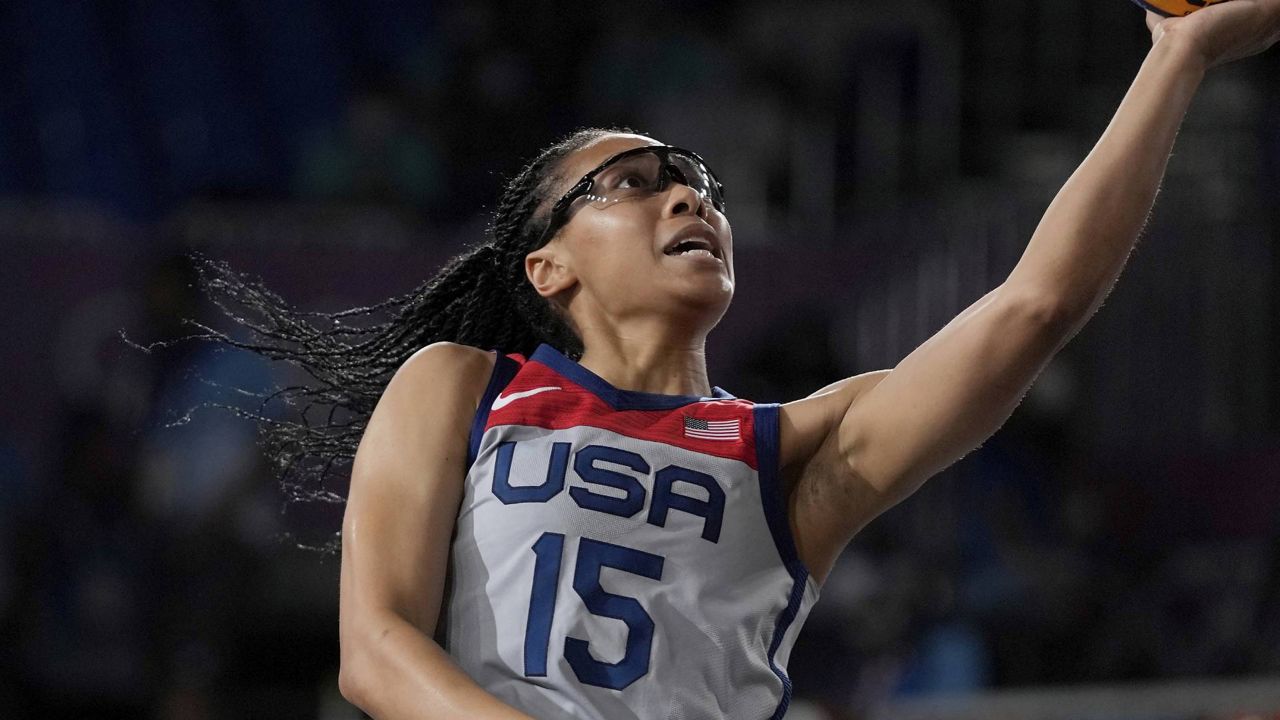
<point>445,368</point>
<point>807,422</point>
<point>450,359</point>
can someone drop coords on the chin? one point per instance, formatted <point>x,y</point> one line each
<point>706,300</point>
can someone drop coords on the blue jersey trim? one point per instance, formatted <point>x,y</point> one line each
<point>775,509</point>
<point>615,398</point>
<point>504,368</point>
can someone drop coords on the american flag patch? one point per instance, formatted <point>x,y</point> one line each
<point>728,430</point>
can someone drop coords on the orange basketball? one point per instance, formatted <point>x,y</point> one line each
<point>1176,7</point>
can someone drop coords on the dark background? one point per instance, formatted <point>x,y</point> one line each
<point>885,165</point>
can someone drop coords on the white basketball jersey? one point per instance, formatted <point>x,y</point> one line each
<point>622,554</point>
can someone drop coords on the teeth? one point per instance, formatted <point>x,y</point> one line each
<point>687,246</point>
<point>698,251</point>
<point>684,247</point>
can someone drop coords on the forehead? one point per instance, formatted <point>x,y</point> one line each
<point>587,158</point>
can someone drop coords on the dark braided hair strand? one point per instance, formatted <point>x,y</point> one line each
<point>479,298</point>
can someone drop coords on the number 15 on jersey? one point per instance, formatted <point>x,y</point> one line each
<point>593,555</point>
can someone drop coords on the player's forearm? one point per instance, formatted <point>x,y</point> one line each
<point>392,672</point>
<point>1085,237</point>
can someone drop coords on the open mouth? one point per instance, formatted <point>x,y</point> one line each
<point>694,246</point>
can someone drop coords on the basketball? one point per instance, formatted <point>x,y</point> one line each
<point>1174,8</point>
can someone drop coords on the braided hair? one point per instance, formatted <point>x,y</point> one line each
<point>481,297</point>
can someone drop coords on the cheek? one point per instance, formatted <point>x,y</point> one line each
<point>727,233</point>
<point>619,246</point>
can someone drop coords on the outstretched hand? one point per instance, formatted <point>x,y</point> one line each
<point>1225,31</point>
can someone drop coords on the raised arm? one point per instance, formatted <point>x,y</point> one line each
<point>406,485</point>
<point>857,448</point>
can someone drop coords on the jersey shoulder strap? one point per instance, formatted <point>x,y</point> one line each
<point>505,368</point>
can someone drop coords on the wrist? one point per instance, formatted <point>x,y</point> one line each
<point>1180,50</point>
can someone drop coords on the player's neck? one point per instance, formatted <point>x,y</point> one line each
<point>667,366</point>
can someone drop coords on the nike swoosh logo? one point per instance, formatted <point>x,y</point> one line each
<point>502,401</point>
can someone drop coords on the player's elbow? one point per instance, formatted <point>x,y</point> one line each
<point>351,683</point>
<point>353,673</point>
<point>1044,313</point>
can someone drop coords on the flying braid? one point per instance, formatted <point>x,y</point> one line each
<point>480,298</point>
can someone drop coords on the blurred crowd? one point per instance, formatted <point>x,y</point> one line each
<point>886,163</point>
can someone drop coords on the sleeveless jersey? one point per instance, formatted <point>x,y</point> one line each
<point>621,554</point>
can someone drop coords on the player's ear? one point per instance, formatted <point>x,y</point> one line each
<point>547,271</point>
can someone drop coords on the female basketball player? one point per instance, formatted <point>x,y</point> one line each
<point>586,527</point>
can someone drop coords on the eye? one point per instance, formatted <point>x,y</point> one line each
<point>632,181</point>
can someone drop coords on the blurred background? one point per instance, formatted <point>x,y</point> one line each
<point>1113,552</point>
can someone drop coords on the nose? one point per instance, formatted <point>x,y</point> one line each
<point>682,199</point>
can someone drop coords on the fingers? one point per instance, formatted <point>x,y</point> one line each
<point>1153,19</point>
<point>1153,24</point>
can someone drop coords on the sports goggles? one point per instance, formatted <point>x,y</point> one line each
<point>637,173</point>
